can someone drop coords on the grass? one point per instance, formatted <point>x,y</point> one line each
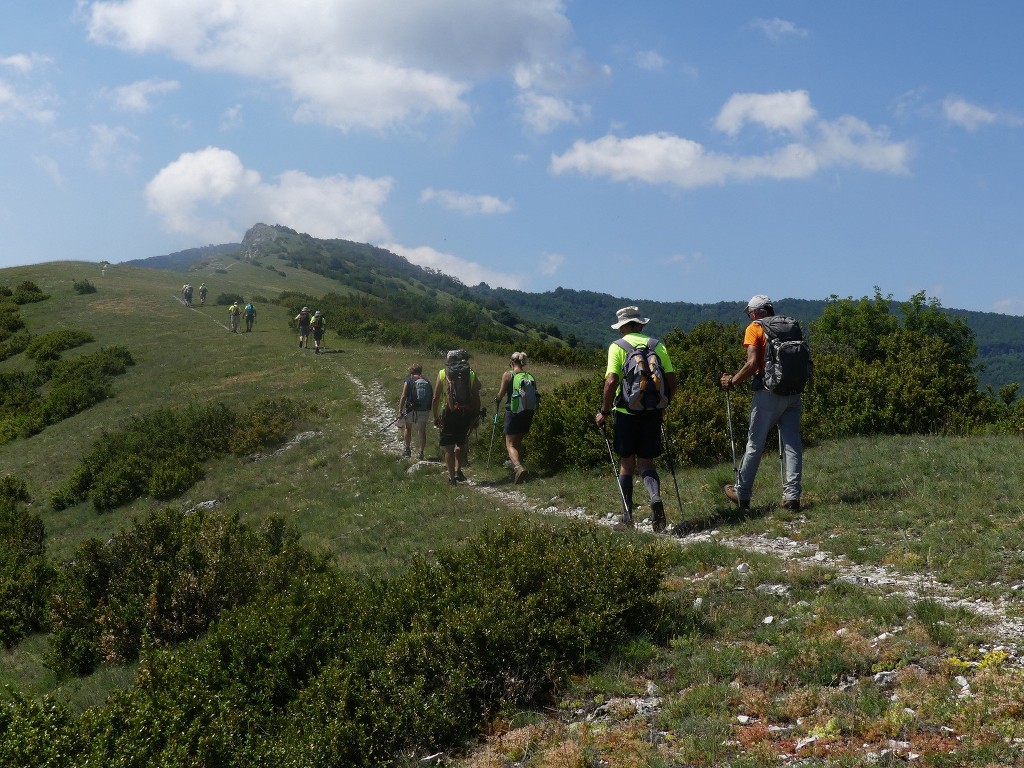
<point>941,506</point>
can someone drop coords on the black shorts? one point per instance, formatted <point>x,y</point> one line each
<point>638,434</point>
<point>455,426</point>
<point>518,423</point>
<point>303,329</point>
<point>318,333</point>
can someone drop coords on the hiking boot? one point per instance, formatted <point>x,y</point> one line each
<point>791,504</point>
<point>520,474</point>
<point>626,524</point>
<point>406,453</point>
<point>452,481</point>
<point>731,495</point>
<point>420,456</point>
<point>460,477</point>
<point>658,516</point>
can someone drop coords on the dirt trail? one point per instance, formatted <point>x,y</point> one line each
<point>1005,629</point>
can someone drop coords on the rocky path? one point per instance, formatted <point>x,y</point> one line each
<point>1005,628</point>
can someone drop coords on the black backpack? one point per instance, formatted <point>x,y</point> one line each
<point>459,393</point>
<point>787,355</point>
<point>643,378</point>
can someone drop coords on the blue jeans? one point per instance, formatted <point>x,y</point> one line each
<point>766,410</point>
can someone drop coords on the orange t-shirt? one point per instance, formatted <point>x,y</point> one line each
<point>755,335</point>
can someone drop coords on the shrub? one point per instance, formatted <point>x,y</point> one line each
<point>165,580</point>
<point>161,454</point>
<point>24,573</point>
<point>227,299</point>
<point>269,421</point>
<point>49,346</point>
<point>10,320</point>
<point>27,292</point>
<point>338,672</point>
<point>84,286</point>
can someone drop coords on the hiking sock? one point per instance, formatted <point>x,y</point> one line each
<point>626,484</point>
<point>652,483</point>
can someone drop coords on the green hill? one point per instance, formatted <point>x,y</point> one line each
<point>389,291</point>
<point>821,629</point>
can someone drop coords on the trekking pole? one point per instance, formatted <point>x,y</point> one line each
<point>732,440</point>
<point>395,421</point>
<point>494,425</point>
<point>627,515</point>
<point>672,467</point>
<point>782,465</point>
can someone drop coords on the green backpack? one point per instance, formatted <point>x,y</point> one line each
<point>524,393</point>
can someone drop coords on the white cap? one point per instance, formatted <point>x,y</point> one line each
<point>760,301</point>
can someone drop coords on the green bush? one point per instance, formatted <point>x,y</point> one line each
<point>10,320</point>
<point>38,734</point>
<point>24,573</point>
<point>161,454</point>
<point>49,346</point>
<point>84,286</point>
<point>227,299</point>
<point>27,292</point>
<point>332,671</point>
<point>165,580</point>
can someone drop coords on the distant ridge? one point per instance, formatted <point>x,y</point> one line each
<point>182,261</point>
<point>570,314</point>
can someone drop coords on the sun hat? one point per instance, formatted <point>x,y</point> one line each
<point>456,355</point>
<point>760,301</point>
<point>317,313</point>
<point>629,315</point>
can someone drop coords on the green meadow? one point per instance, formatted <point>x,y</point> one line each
<point>888,638</point>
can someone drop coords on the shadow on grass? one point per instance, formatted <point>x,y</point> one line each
<point>722,518</point>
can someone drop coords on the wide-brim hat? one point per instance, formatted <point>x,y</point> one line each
<point>629,315</point>
<point>317,313</point>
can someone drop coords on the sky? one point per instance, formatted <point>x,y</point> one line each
<point>658,149</point>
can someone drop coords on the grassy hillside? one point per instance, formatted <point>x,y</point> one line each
<point>906,560</point>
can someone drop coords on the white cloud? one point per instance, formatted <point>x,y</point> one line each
<point>469,272</point>
<point>24,63</point>
<point>34,106</point>
<point>231,118</point>
<point>663,158</point>
<point>777,30</point>
<point>650,60</point>
<point>686,261</point>
<point>51,168</point>
<point>108,147</point>
<point>551,263</point>
<point>787,111</point>
<point>463,203</point>
<point>1011,305</point>
<point>135,97</point>
<point>542,114</point>
<point>972,116</point>
<point>375,64</point>
<point>211,196</point>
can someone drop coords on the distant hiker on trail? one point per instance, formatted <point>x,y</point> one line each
<point>456,407</point>
<point>186,294</point>
<point>302,321</point>
<point>519,391</point>
<point>250,316</point>
<point>202,294</point>
<point>639,383</point>
<point>414,406</point>
<point>234,313</point>
<point>317,324</point>
<point>769,408</point>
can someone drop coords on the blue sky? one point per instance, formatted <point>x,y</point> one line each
<point>663,150</point>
